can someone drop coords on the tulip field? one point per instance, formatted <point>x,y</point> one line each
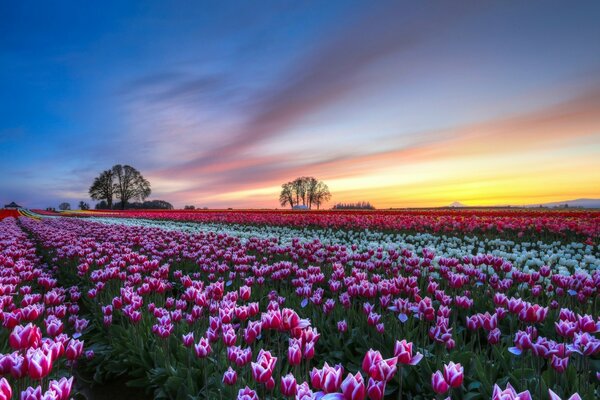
<point>417,304</point>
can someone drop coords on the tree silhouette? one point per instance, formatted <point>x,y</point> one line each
<point>305,190</point>
<point>103,187</point>
<point>130,184</point>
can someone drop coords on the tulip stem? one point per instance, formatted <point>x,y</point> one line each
<point>400,386</point>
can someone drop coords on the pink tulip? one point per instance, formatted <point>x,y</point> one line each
<point>5,390</point>
<point>39,364</point>
<point>262,369</point>
<point>438,383</point>
<point>375,389</point>
<point>247,394</point>
<point>31,393</point>
<point>353,387</point>
<point>331,378</point>
<point>384,370</point>
<point>403,352</point>
<point>62,388</point>
<point>230,377</point>
<point>23,337</point>
<point>509,393</point>
<point>288,385</point>
<point>188,339</point>
<point>372,357</point>
<point>202,349</point>
<point>294,352</point>
<point>453,374</point>
<point>554,396</point>
<point>74,349</point>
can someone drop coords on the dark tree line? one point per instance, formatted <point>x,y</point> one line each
<point>306,190</point>
<point>146,205</point>
<point>361,205</point>
<point>122,182</point>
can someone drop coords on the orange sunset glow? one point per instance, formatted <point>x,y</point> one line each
<point>398,104</point>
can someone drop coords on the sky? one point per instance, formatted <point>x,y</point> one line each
<point>217,103</point>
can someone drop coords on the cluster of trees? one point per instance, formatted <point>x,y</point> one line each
<point>122,182</point>
<point>361,205</point>
<point>306,190</point>
<point>145,205</point>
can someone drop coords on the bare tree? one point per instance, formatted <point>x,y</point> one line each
<point>130,184</point>
<point>287,195</point>
<point>321,194</point>
<point>306,189</point>
<point>103,187</point>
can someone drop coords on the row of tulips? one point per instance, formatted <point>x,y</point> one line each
<point>209,315</point>
<point>583,224</point>
<point>40,323</point>
<point>565,257</point>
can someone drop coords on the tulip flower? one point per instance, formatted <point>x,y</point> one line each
<point>294,352</point>
<point>39,364</point>
<point>453,374</point>
<point>247,394</point>
<point>404,354</point>
<point>331,378</point>
<point>554,396</point>
<point>375,389</point>
<point>229,377</point>
<point>353,387</point>
<point>74,349</point>
<point>288,385</point>
<point>262,369</point>
<point>62,388</point>
<point>384,370</point>
<point>202,349</point>
<point>371,358</point>
<point>5,390</point>
<point>188,339</point>
<point>509,393</point>
<point>23,337</point>
<point>31,393</point>
<point>438,383</point>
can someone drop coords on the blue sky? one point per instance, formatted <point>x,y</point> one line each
<point>218,103</point>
